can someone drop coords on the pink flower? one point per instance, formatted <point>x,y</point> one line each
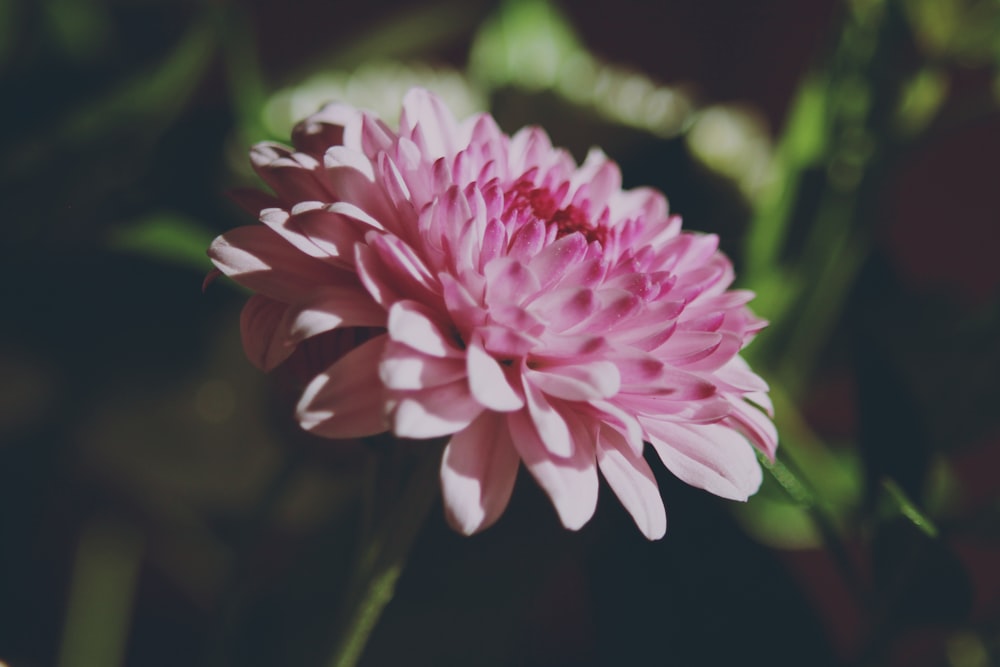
<point>489,290</point>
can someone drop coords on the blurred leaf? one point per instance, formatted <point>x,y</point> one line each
<point>803,142</point>
<point>967,30</point>
<point>922,96</point>
<point>100,599</point>
<point>155,94</point>
<point>525,43</point>
<point>966,649</point>
<point>243,74</point>
<point>166,237</point>
<point>780,524</point>
<point>806,134</point>
<point>734,141</point>
<point>413,30</point>
<point>530,45</point>
<point>144,103</point>
<point>9,28</point>
<point>79,28</point>
<point>894,501</point>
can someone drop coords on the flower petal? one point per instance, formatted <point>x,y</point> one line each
<point>262,334</point>
<point>549,423</point>
<point>257,258</point>
<point>571,483</point>
<point>478,471</point>
<point>415,325</point>
<point>630,477</point>
<point>346,400</point>
<point>577,382</point>
<point>487,381</point>
<point>710,456</point>
<point>331,307</point>
<point>427,121</point>
<point>406,369</point>
<point>433,412</point>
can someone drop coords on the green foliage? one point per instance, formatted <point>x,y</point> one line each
<point>165,237</point>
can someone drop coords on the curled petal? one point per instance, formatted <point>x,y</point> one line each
<point>710,456</point>
<point>756,426</point>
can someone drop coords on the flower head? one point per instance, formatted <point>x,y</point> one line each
<point>487,289</point>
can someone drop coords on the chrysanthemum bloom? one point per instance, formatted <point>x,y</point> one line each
<point>493,292</point>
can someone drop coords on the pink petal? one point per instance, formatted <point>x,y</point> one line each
<point>550,425</point>
<point>527,241</point>
<point>331,235</point>
<point>613,416</point>
<point>487,381</point>
<point>577,382</point>
<point>282,222</point>
<point>630,477</point>
<point>257,258</point>
<point>465,312</point>
<point>437,130</point>
<point>565,307</point>
<point>417,326</point>
<point>506,343</point>
<point>263,336</point>
<point>324,128</point>
<point>433,412</point>
<point>387,280</point>
<point>292,176</point>
<point>331,307</point>
<point>509,281</point>
<point>571,483</point>
<point>711,457</point>
<point>552,263</point>
<point>755,425</point>
<point>738,375</point>
<point>371,136</point>
<point>346,400</point>
<point>478,471</point>
<point>406,369</point>
<point>614,306</point>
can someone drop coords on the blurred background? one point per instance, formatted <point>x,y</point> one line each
<point>159,507</point>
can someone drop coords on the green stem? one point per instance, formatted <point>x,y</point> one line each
<point>382,560</point>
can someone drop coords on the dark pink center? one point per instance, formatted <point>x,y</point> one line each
<point>524,197</point>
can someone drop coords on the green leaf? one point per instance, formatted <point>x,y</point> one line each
<point>165,237</point>
<point>806,134</point>
<point>525,44</point>
<point>894,501</point>
<point>101,596</point>
<point>921,98</point>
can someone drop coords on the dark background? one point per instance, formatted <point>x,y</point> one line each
<point>134,433</point>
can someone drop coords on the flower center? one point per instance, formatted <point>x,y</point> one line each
<point>524,198</point>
